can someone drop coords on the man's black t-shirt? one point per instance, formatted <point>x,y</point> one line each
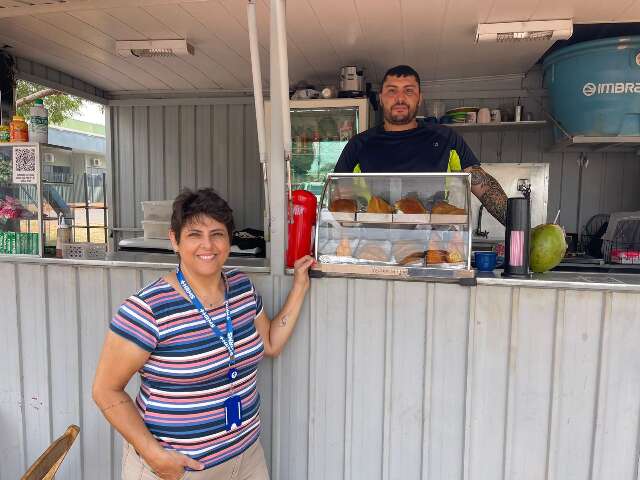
<point>427,148</point>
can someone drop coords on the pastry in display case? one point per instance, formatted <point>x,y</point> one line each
<point>412,226</point>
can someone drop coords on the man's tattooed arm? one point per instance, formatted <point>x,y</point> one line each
<point>489,192</point>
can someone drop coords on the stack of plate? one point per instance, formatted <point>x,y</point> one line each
<point>459,115</point>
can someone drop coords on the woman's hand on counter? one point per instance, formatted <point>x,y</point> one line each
<point>301,272</point>
<point>170,465</point>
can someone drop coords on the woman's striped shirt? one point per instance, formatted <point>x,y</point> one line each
<point>184,381</point>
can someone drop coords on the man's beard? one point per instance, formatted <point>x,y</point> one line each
<point>400,119</point>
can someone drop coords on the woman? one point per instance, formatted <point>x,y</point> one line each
<point>196,336</point>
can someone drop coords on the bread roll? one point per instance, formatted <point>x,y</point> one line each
<point>408,252</point>
<point>454,256</point>
<point>436,256</point>
<point>410,206</point>
<point>378,205</point>
<point>344,248</point>
<point>344,205</point>
<point>373,252</point>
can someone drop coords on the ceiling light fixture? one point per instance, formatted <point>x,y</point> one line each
<point>154,48</point>
<point>549,30</point>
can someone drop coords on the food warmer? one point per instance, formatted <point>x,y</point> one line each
<point>403,225</point>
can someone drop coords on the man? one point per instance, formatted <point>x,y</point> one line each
<point>401,144</point>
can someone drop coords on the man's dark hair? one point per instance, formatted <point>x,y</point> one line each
<point>190,205</point>
<point>401,71</point>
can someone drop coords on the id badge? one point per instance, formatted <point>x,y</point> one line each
<point>233,412</point>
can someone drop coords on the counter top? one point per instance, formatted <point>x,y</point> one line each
<point>140,260</point>
<point>571,280</point>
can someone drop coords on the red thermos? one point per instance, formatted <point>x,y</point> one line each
<point>301,228</point>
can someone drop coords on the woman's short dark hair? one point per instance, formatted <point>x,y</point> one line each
<point>401,71</point>
<point>190,205</point>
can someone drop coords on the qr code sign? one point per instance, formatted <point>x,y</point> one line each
<point>25,159</point>
<point>25,165</point>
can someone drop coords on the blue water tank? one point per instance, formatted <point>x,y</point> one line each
<point>594,87</point>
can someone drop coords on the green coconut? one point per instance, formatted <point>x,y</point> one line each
<point>547,247</point>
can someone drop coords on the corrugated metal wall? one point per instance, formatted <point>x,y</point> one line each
<point>156,150</point>
<point>381,380</point>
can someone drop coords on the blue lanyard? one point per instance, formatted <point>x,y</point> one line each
<point>226,340</point>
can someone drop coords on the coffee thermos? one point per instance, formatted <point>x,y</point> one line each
<point>518,227</point>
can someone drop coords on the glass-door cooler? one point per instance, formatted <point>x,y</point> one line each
<point>320,129</point>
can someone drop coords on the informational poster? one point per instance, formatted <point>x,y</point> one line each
<point>25,164</point>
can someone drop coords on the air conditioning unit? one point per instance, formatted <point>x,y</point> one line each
<point>154,48</point>
<point>542,30</point>
<point>95,162</point>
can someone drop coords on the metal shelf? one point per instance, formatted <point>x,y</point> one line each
<point>498,125</point>
<point>50,182</point>
<point>494,125</point>
<point>582,143</point>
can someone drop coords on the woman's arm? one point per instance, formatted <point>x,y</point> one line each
<point>120,359</point>
<point>275,333</point>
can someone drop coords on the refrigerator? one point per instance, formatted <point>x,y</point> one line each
<point>320,129</point>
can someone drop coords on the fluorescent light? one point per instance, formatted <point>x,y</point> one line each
<point>547,30</point>
<point>154,48</point>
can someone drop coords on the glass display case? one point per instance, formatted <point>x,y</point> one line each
<point>20,199</point>
<point>395,225</point>
<point>36,185</point>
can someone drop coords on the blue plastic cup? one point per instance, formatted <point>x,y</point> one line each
<point>486,261</point>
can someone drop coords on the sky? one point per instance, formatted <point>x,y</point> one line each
<point>90,112</point>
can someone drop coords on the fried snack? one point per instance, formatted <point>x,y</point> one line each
<point>410,206</point>
<point>372,252</point>
<point>454,256</point>
<point>344,205</point>
<point>447,209</point>
<point>407,252</point>
<point>378,205</point>
<point>344,248</point>
<point>436,256</point>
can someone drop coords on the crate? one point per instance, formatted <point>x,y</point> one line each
<point>157,210</point>
<point>156,230</point>
<point>84,251</point>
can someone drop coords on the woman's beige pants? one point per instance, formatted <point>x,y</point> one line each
<point>250,465</point>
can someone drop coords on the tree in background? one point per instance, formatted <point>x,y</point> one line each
<point>59,105</point>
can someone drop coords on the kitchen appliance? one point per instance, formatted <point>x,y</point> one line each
<point>351,82</point>
<point>621,241</point>
<point>320,129</point>
<point>518,228</point>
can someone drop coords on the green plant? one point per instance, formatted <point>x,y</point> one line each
<point>59,105</point>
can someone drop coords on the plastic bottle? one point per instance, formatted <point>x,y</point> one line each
<point>5,134</point>
<point>18,129</point>
<point>63,235</point>
<point>39,123</point>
